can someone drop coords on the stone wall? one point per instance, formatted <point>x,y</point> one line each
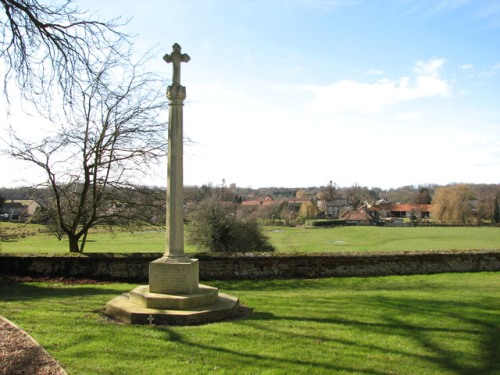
<point>134,267</point>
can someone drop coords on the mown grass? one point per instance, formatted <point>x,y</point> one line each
<point>36,239</point>
<point>438,324</point>
<point>287,240</point>
<point>365,238</point>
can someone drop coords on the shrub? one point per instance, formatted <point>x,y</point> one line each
<point>325,223</point>
<point>217,229</point>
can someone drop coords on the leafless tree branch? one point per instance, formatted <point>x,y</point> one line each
<point>48,49</point>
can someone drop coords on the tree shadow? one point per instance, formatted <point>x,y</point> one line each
<point>432,324</point>
<point>242,357</point>
<point>11,290</point>
<point>483,337</point>
<point>341,284</point>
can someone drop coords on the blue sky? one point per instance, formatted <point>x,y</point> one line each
<point>300,92</point>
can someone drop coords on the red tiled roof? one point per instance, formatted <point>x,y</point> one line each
<point>357,216</point>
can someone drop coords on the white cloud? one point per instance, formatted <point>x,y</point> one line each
<point>377,72</point>
<point>408,116</point>
<point>347,95</point>
<point>429,68</point>
<point>467,66</point>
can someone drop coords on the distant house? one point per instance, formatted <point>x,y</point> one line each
<point>361,216</point>
<point>267,201</point>
<point>336,208</point>
<point>18,210</point>
<point>33,207</point>
<point>405,210</point>
<point>13,211</point>
<point>292,205</point>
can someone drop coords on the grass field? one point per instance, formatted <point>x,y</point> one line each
<point>285,239</point>
<point>438,324</point>
<point>364,238</point>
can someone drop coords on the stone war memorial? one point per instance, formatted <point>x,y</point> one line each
<point>174,295</point>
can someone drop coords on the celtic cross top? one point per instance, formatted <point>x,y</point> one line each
<point>176,57</point>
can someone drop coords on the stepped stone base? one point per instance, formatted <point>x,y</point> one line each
<point>140,306</point>
<point>204,296</point>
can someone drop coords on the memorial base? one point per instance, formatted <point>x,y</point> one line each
<point>131,308</point>
<point>173,297</point>
<point>204,296</point>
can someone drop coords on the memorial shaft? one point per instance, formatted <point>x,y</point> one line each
<point>176,94</point>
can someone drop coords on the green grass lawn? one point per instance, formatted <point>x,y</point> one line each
<point>437,324</point>
<point>368,238</point>
<point>287,240</point>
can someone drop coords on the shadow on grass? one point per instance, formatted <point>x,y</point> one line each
<point>341,284</point>
<point>275,361</point>
<point>479,355</point>
<point>11,290</point>
<point>444,335</point>
<point>430,330</point>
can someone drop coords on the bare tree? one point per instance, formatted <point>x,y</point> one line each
<point>496,211</point>
<point>423,196</point>
<point>48,49</point>
<point>328,193</point>
<point>357,195</point>
<point>111,135</point>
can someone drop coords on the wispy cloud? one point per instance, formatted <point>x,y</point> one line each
<point>347,95</point>
<point>491,13</point>
<point>408,116</point>
<point>429,68</point>
<point>486,10</point>
<point>327,5</point>
<point>430,8</point>
<point>489,72</point>
<point>376,72</point>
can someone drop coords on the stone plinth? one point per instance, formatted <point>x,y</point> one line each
<point>123,309</point>
<point>204,296</point>
<point>173,275</point>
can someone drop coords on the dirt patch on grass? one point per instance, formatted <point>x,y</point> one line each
<point>21,354</point>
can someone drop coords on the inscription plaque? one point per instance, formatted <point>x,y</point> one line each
<point>170,277</point>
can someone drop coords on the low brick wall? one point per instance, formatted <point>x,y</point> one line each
<point>134,267</point>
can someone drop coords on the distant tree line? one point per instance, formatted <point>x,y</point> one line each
<point>139,205</point>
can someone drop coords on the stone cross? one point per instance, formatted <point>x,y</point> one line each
<point>176,57</point>
<point>151,319</point>
<point>175,212</point>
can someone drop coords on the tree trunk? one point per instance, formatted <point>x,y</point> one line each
<point>73,244</point>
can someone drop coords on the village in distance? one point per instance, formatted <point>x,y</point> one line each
<point>455,204</point>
